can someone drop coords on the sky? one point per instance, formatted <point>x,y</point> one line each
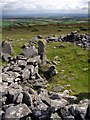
<point>43,6</point>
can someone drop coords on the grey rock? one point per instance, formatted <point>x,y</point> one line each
<point>65,114</point>
<point>31,68</point>
<point>6,106</point>
<point>55,116</point>
<point>32,61</point>
<point>42,91</point>
<point>54,62</point>
<point>26,74</point>
<point>45,99</point>
<point>56,96</point>
<point>17,112</point>
<point>19,98</point>
<point>6,57</point>
<point>16,69</point>
<point>3,90</point>
<point>39,36</point>
<point>30,52</point>
<point>51,72</point>
<point>1,114</point>
<point>87,116</point>
<point>69,118</point>
<point>27,99</point>
<point>57,104</point>
<point>70,99</point>
<point>22,63</point>
<point>7,47</point>
<point>38,85</point>
<point>41,48</point>
<point>3,101</point>
<point>41,112</point>
<point>36,100</point>
<point>59,88</point>
<point>12,95</point>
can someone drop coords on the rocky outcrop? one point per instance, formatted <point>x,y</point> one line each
<point>23,93</point>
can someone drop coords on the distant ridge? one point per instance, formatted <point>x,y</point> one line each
<point>44,15</point>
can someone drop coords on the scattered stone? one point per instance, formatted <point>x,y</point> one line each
<point>59,88</point>
<point>51,72</point>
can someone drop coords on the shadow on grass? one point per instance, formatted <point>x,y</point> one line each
<point>82,96</point>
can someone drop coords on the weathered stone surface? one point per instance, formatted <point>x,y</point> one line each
<point>1,114</point>
<point>3,101</point>
<point>45,99</point>
<point>30,52</point>
<point>59,88</point>
<point>87,116</point>
<point>12,95</point>
<point>57,104</point>
<point>41,50</point>
<point>22,63</point>
<point>26,74</point>
<point>17,112</point>
<point>7,47</point>
<point>65,114</point>
<point>41,112</point>
<point>27,99</point>
<point>19,98</point>
<point>16,69</point>
<point>6,57</point>
<point>32,61</point>
<point>55,116</point>
<point>36,100</point>
<point>51,72</point>
<point>19,78</point>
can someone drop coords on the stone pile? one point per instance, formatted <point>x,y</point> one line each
<point>74,37</point>
<point>23,94</point>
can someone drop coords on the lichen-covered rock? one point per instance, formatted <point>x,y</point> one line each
<point>17,112</point>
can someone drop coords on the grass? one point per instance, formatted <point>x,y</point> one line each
<point>72,67</point>
<point>73,61</point>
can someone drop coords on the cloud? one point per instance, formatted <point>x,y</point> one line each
<point>32,6</point>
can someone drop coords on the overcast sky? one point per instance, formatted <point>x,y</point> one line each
<point>44,6</point>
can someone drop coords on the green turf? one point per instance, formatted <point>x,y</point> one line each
<point>73,66</point>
